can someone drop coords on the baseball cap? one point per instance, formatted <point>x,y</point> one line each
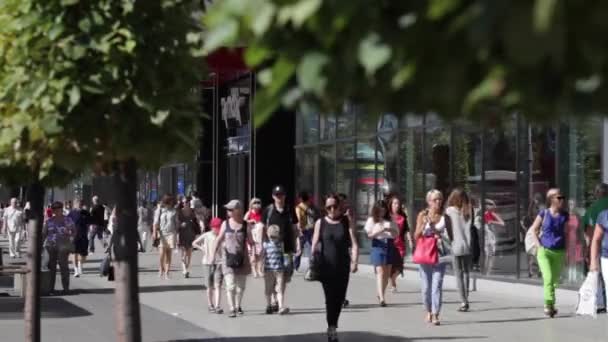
<point>216,222</point>
<point>233,204</point>
<point>278,189</point>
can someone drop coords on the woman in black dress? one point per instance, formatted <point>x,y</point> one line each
<point>187,232</point>
<point>335,236</point>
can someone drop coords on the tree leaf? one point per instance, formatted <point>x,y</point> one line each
<point>222,35</point>
<point>373,54</point>
<point>69,2</point>
<point>74,96</point>
<point>544,11</point>
<point>310,72</point>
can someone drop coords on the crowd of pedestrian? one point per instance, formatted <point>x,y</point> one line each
<point>269,242</point>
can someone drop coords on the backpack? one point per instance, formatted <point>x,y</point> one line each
<point>312,215</point>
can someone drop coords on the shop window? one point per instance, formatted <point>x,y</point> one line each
<point>327,169</point>
<point>328,126</point>
<point>306,169</point>
<point>346,122</point>
<point>307,126</point>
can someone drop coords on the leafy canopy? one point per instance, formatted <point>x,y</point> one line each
<point>86,82</point>
<point>456,57</point>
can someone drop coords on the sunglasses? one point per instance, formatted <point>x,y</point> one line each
<point>332,207</point>
<point>257,203</point>
<point>561,198</point>
<point>55,208</point>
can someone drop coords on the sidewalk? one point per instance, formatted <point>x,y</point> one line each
<point>176,310</point>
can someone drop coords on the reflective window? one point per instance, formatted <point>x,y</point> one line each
<point>307,126</point>
<point>327,169</point>
<point>306,169</point>
<point>328,126</point>
<point>346,122</point>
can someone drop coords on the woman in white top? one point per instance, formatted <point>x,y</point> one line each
<point>165,227</point>
<point>460,212</point>
<point>383,231</point>
<point>432,223</point>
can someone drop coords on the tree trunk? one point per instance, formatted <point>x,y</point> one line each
<point>124,241</point>
<point>32,295</point>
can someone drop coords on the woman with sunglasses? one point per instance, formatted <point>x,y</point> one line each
<point>382,230</point>
<point>550,235</point>
<point>432,222</point>
<point>336,237</point>
<point>254,218</point>
<point>58,233</point>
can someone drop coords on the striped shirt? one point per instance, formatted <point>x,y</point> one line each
<point>273,260</point>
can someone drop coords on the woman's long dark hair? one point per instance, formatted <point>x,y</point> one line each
<point>376,211</point>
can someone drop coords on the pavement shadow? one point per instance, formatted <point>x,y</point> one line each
<point>146,289</point>
<point>510,320</point>
<point>350,336</point>
<point>12,308</point>
<point>506,308</point>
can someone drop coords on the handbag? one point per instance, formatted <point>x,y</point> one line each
<point>105,266</point>
<point>426,251</point>
<point>530,241</point>
<point>314,269</point>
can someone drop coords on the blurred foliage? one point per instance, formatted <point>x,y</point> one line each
<point>471,58</point>
<point>84,83</point>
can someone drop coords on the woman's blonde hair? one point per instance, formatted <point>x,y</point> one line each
<point>550,193</point>
<point>432,193</point>
<point>253,201</point>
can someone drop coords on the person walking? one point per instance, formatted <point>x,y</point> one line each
<point>432,223</point>
<point>58,236</point>
<point>254,218</point>
<point>550,236</point>
<point>81,219</point>
<point>213,275</point>
<point>166,223</point>
<point>307,214</point>
<point>589,224</point>
<point>460,213</point>
<point>274,270</point>
<point>14,225</point>
<point>98,225</point>
<point>400,218</point>
<point>382,231</point>
<point>493,222</point>
<point>235,235</point>
<point>339,255</point>
<point>187,232</point>
<point>144,224</point>
<point>599,247</point>
<point>282,215</point>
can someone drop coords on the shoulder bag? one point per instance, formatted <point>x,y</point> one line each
<point>426,251</point>
<point>530,241</point>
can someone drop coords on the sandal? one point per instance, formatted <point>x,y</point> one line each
<point>435,320</point>
<point>429,318</point>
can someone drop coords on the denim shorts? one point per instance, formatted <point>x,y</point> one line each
<point>382,252</point>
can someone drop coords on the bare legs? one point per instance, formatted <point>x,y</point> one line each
<point>165,261</point>
<point>186,261</point>
<point>382,277</point>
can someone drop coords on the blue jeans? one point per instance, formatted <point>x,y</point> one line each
<point>303,240</point>
<point>431,277</point>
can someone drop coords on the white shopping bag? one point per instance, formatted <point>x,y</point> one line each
<point>44,260</point>
<point>587,296</point>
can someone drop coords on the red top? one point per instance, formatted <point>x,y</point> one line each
<point>49,212</point>
<point>400,240</point>
<point>255,216</point>
<point>489,216</point>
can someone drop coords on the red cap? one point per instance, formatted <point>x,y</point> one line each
<point>216,222</point>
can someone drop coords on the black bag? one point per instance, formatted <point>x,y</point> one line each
<point>234,260</point>
<point>475,247</point>
<point>105,266</point>
<point>111,274</point>
<point>314,269</point>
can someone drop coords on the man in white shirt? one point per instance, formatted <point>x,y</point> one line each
<point>14,225</point>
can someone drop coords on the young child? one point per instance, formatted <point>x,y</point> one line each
<point>213,274</point>
<point>274,276</point>
<point>254,219</point>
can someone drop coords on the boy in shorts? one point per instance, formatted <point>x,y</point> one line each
<point>274,269</point>
<point>213,276</point>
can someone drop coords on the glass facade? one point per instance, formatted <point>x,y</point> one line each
<point>367,156</point>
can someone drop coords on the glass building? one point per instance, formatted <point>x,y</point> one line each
<point>368,156</point>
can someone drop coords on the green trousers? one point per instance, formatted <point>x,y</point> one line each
<point>550,262</point>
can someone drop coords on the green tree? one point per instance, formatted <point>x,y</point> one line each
<point>103,84</point>
<point>472,58</point>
